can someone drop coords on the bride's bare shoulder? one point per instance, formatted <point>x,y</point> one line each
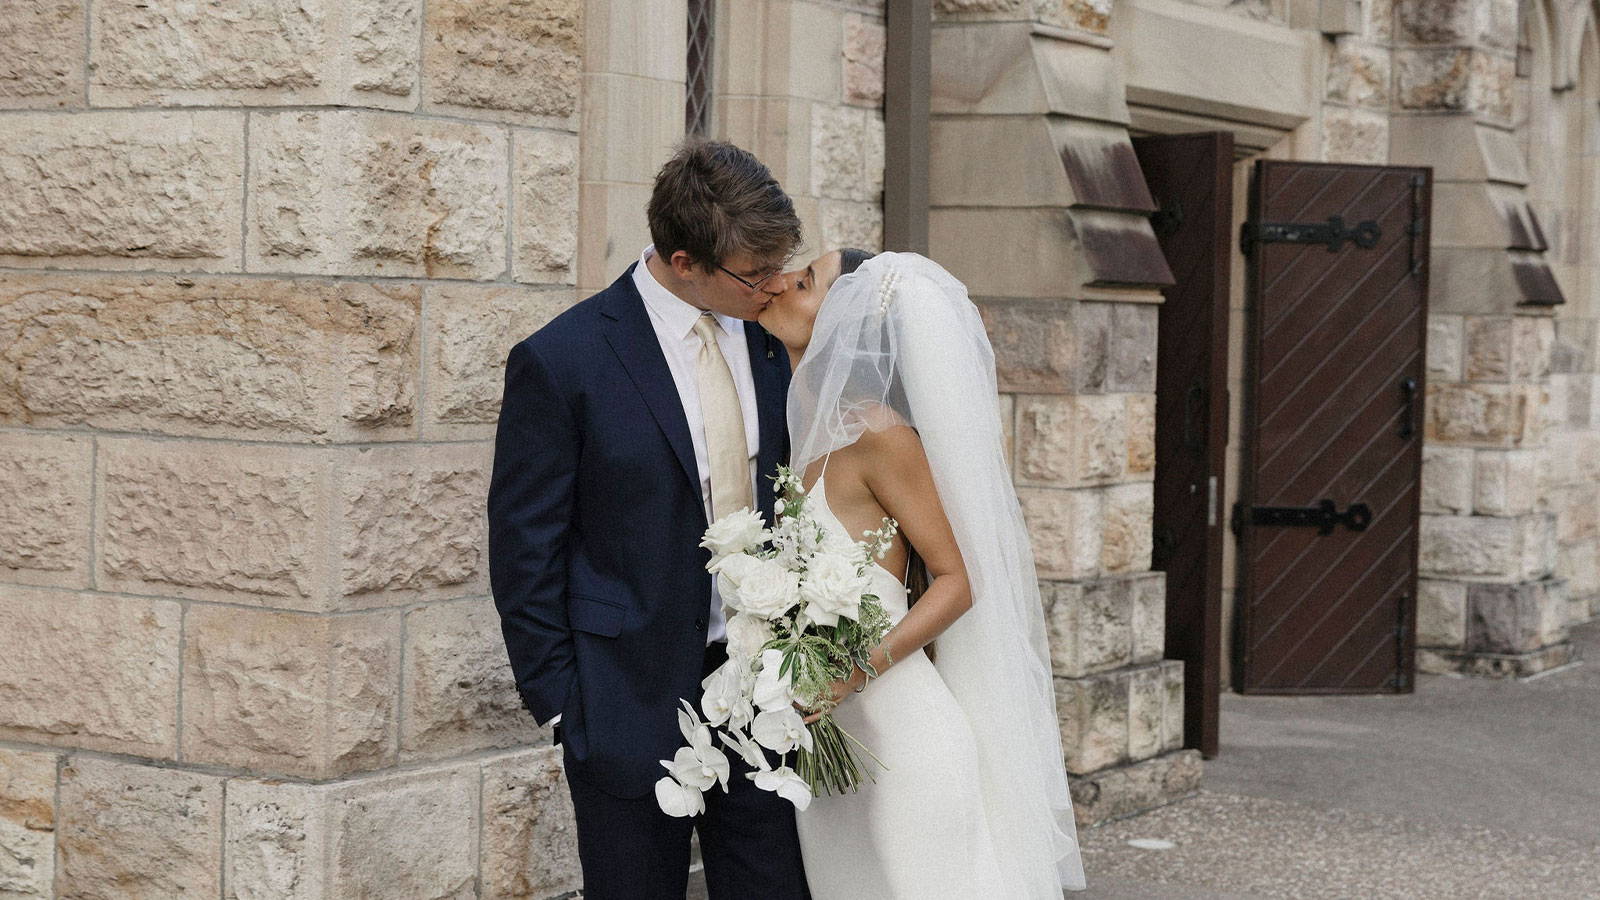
<point>878,416</point>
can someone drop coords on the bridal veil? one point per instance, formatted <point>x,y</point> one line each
<point>900,332</point>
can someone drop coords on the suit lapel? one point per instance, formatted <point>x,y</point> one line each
<point>633,340</point>
<point>769,368</point>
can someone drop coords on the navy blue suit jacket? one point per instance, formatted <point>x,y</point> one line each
<point>595,520</point>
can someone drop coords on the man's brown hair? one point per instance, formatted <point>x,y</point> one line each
<point>713,200</point>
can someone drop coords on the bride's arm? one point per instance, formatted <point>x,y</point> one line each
<point>899,477</point>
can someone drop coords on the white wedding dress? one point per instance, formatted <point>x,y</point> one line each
<point>919,831</point>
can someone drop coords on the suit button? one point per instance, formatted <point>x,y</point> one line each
<point>699,623</point>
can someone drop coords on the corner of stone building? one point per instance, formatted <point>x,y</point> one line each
<point>1030,148</point>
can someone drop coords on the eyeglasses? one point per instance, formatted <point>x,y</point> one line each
<point>752,285</point>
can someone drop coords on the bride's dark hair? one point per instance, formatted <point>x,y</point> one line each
<point>850,259</point>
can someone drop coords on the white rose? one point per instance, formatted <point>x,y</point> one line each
<point>832,588</point>
<point>746,634</point>
<point>735,532</point>
<point>761,588</point>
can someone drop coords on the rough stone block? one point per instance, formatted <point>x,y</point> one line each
<point>1128,790</point>
<point>530,842</point>
<point>1149,601</point>
<point>90,671</point>
<point>1441,613</point>
<point>1506,483</point>
<point>1092,16</point>
<point>1447,484</point>
<point>413,834</point>
<point>409,834</point>
<point>1490,547</point>
<point>276,835</point>
<point>1577,509</point>
<point>846,223</point>
<point>1089,626</point>
<point>1132,363</point>
<point>43,48</point>
<point>1141,419</point>
<point>1172,704</point>
<point>44,522</point>
<point>212,357</point>
<point>1434,78</point>
<point>1126,539</point>
<point>544,241</point>
<point>1357,72</point>
<point>27,823</point>
<point>1094,720</point>
<point>128,830</point>
<point>1436,23</point>
<point>864,42</point>
<point>243,524</point>
<point>288,692</point>
<point>1068,441</point>
<point>846,153</point>
<point>1065,527</point>
<point>122,190</point>
<point>471,328</point>
<point>1494,84</point>
<point>411,523</point>
<point>458,690</point>
<point>1036,345</point>
<point>256,52</point>
<point>513,60</point>
<point>1444,347</point>
<point>1146,719</point>
<point>368,193</point>
<point>1355,134</point>
<point>1491,415</point>
<point>1515,618</point>
<point>1489,348</point>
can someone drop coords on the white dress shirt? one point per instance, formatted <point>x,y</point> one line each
<point>673,319</point>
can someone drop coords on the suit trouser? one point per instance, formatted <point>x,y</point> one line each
<point>631,850</point>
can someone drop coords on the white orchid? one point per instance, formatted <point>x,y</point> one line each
<point>699,765</point>
<point>678,800</point>
<point>717,695</point>
<point>772,690</point>
<point>748,750</point>
<point>787,783</point>
<point>735,532</point>
<point>781,730</point>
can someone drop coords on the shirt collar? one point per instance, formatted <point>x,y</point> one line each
<point>679,314</point>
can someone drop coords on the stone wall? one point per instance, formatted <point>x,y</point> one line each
<point>259,270</point>
<point>259,267</point>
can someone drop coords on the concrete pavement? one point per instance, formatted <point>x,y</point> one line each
<point>1466,788</point>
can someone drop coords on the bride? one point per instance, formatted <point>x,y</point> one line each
<point>893,411</point>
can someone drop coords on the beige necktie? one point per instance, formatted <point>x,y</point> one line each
<point>726,450</point>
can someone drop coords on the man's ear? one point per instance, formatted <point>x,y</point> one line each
<point>683,264</point>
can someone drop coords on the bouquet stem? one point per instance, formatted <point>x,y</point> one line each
<point>831,766</point>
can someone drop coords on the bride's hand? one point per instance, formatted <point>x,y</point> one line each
<point>836,694</point>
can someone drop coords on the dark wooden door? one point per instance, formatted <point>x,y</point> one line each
<point>1190,177</point>
<point>1331,469</point>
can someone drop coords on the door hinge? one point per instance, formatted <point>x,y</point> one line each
<point>1332,232</point>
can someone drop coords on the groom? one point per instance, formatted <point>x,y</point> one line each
<point>627,424</point>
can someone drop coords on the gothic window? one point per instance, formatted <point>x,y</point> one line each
<point>697,101</point>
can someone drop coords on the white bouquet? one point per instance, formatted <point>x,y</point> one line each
<point>802,619</point>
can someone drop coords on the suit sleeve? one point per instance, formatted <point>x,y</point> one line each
<point>530,510</point>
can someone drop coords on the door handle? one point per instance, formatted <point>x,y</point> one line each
<point>1408,403</point>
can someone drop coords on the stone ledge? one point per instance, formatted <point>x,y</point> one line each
<point>1437,661</point>
<point>1129,790</point>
